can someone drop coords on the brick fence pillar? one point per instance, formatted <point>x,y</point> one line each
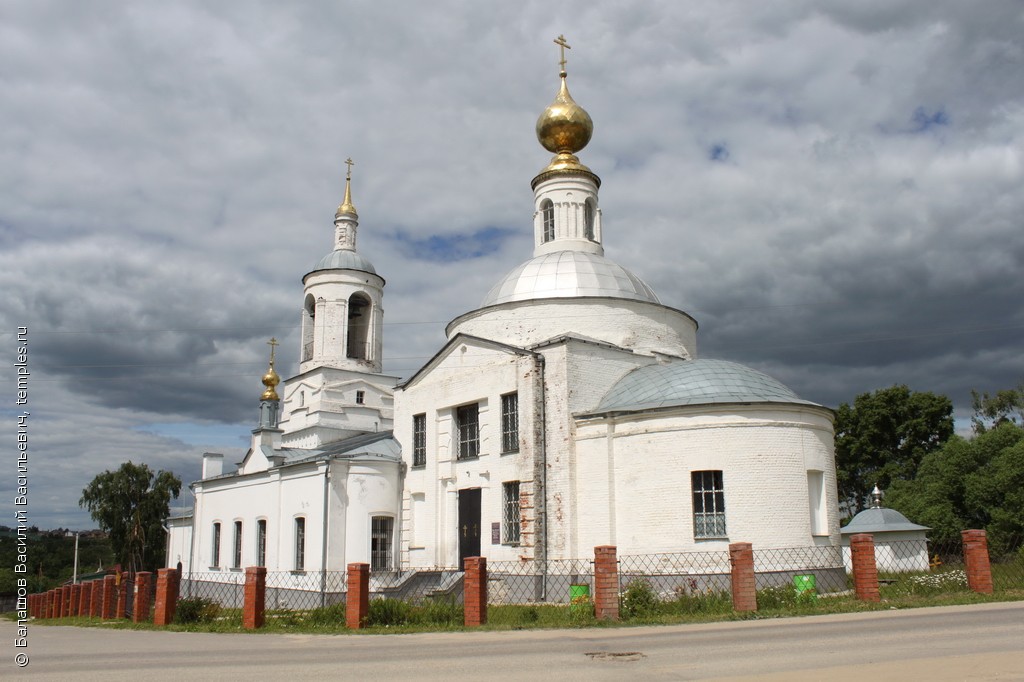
<point>76,600</point>
<point>84,599</point>
<point>606,582</point>
<point>68,601</point>
<point>140,607</point>
<point>254,609</point>
<point>166,596</point>
<point>47,603</point>
<point>474,605</point>
<point>865,571</point>
<point>96,599</point>
<point>976,561</point>
<point>121,608</point>
<point>62,601</point>
<point>109,605</point>
<point>357,601</point>
<point>744,584</point>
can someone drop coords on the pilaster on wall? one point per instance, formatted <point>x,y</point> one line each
<point>744,582</point>
<point>976,561</point>
<point>606,583</point>
<point>357,601</point>
<point>865,571</point>
<point>475,591</point>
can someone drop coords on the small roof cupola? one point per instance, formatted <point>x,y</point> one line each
<point>270,402</point>
<point>346,219</point>
<point>566,214</point>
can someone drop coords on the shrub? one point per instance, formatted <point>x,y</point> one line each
<point>196,610</point>
<point>327,616</point>
<point>389,612</point>
<point>639,600</point>
<point>439,612</point>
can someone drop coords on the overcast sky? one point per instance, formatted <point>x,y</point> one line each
<point>832,189</point>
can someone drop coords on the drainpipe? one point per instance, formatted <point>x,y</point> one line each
<point>543,496</point>
<point>327,527</point>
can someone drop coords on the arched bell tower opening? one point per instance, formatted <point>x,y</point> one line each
<point>359,309</point>
<point>308,323</point>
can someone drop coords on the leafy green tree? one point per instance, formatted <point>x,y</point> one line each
<point>130,504</point>
<point>884,436</point>
<point>976,483</point>
<point>1004,406</point>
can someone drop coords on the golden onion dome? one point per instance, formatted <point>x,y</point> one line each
<point>565,127</point>
<point>271,379</point>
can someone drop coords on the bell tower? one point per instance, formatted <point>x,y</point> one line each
<point>339,390</point>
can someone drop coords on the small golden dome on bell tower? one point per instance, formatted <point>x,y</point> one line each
<point>271,379</point>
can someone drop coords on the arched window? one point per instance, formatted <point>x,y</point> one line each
<point>308,320</point>
<point>547,210</point>
<point>588,219</point>
<point>358,327</point>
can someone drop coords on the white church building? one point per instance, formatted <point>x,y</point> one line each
<point>569,410</point>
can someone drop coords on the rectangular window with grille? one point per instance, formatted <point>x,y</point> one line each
<point>237,563</point>
<point>216,546</point>
<point>708,504</point>
<point>510,422</point>
<point>419,440</point>
<point>382,532</point>
<point>467,419</point>
<point>510,515</point>
<point>261,542</point>
<point>300,543</point>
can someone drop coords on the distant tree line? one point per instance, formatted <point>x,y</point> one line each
<point>51,558</point>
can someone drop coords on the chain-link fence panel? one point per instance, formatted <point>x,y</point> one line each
<point>536,582</point>
<point>1007,560</point>
<point>226,588</point>
<point>418,584</point>
<point>681,574</point>
<point>304,590</point>
<point>819,568</point>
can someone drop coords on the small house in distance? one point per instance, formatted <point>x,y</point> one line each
<point>900,546</point>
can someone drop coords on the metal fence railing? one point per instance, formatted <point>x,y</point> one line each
<point>532,582</point>
<point>779,567</point>
<point>674,575</point>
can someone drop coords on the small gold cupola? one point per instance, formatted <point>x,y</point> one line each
<point>565,127</point>
<point>346,207</point>
<point>271,379</point>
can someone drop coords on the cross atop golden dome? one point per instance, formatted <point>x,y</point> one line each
<point>564,127</point>
<point>346,207</point>
<point>271,379</point>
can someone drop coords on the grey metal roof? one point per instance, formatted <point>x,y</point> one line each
<point>343,259</point>
<point>568,274</point>
<point>879,520</point>
<point>694,382</point>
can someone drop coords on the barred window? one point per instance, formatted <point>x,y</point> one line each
<point>261,542</point>
<point>510,517</point>
<point>547,210</point>
<point>300,543</point>
<point>382,530</point>
<point>237,563</point>
<point>510,422</point>
<point>216,546</point>
<point>419,440</point>
<point>467,419</point>
<point>708,504</point>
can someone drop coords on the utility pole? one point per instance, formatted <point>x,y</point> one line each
<point>74,576</point>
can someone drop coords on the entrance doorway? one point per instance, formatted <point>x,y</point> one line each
<point>469,524</point>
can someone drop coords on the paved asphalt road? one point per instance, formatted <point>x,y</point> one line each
<point>982,642</point>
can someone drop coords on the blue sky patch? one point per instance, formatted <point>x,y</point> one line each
<point>923,121</point>
<point>447,248</point>
<point>718,152</point>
